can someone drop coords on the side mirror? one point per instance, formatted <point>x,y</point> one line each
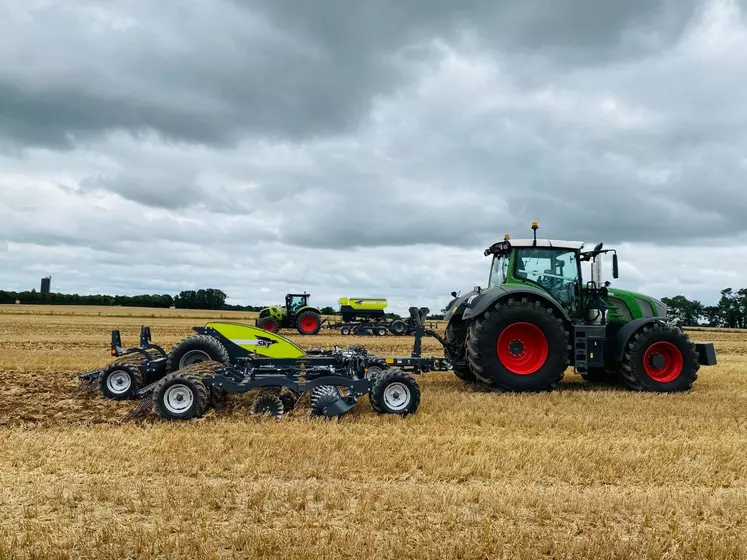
<point>453,294</point>
<point>615,269</point>
<point>598,249</point>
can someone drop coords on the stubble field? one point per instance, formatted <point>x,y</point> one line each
<point>585,471</point>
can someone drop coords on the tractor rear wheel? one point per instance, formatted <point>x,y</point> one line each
<point>196,349</point>
<point>518,345</point>
<point>308,322</point>
<point>660,358</point>
<point>456,336</point>
<point>269,324</point>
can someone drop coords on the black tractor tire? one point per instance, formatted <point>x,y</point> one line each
<point>395,392</point>
<point>120,381</point>
<point>456,335</point>
<point>501,339</point>
<point>196,349</point>
<point>270,324</point>
<point>181,396</point>
<point>308,322</point>
<point>398,327</point>
<point>677,366</point>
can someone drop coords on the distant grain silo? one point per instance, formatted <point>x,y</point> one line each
<point>46,285</point>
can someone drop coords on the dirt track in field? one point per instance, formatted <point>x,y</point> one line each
<point>581,472</point>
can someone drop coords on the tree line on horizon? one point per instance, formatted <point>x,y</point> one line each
<point>729,312</point>
<point>207,299</point>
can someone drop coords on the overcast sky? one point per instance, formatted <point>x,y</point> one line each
<point>368,148</point>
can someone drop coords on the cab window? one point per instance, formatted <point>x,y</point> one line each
<point>554,270</point>
<point>499,270</point>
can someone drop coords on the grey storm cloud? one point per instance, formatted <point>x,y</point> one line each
<point>214,71</point>
<point>354,145</point>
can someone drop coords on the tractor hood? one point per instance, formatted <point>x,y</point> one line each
<point>475,303</point>
<point>646,305</point>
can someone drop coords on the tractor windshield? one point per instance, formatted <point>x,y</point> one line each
<point>554,270</point>
<point>499,270</point>
<point>296,303</point>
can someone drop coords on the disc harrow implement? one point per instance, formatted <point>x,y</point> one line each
<point>232,358</point>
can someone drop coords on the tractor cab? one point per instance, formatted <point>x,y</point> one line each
<point>554,267</point>
<point>294,302</point>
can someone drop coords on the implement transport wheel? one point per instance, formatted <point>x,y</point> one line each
<point>518,346</point>
<point>660,358</point>
<point>119,381</point>
<point>395,392</point>
<point>180,396</point>
<point>398,327</point>
<point>308,322</point>
<point>456,335</point>
<point>196,349</point>
<point>345,331</point>
<point>380,331</point>
<point>269,324</point>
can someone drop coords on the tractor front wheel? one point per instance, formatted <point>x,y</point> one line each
<point>518,346</point>
<point>308,322</point>
<point>660,358</point>
<point>269,324</point>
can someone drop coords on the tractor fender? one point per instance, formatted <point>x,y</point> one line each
<point>626,332</point>
<point>309,308</point>
<point>456,306</point>
<point>478,304</point>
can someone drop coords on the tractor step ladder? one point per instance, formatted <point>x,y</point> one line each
<point>587,346</point>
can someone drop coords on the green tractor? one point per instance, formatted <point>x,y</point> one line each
<point>537,317</point>
<point>297,313</point>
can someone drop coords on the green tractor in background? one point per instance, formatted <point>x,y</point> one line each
<point>296,314</point>
<point>537,317</point>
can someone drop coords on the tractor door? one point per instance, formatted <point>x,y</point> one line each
<point>554,270</point>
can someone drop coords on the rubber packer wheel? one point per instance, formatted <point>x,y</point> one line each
<point>196,349</point>
<point>660,358</point>
<point>456,335</point>
<point>395,392</point>
<point>519,346</point>
<point>180,396</point>
<point>269,324</point>
<point>120,381</point>
<point>308,322</point>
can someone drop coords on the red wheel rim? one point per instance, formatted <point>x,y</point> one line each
<point>269,326</point>
<point>308,324</point>
<point>667,370</point>
<point>522,348</point>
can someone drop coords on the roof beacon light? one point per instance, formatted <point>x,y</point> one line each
<point>506,237</point>
<point>535,227</point>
